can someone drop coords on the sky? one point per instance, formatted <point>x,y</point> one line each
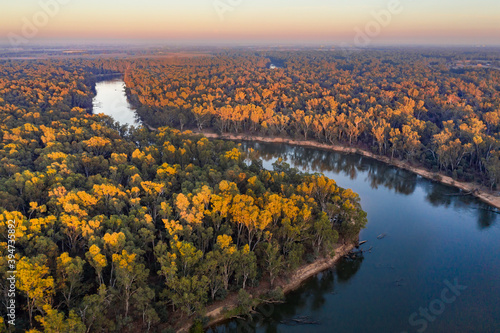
<point>352,22</point>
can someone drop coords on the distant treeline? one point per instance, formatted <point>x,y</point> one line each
<point>411,105</point>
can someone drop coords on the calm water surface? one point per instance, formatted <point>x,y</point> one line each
<point>433,240</point>
<point>112,101</point>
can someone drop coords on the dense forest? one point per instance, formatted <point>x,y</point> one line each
<point>122,229</point>
<point>435,108</point>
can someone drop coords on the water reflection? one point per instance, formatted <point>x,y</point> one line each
<point>317,160</point>
<point>349,265</point>
<point>111,100</point>
<point>487,216</point>
<point>311,297</point>
<point>439,195</point>
<point>377,174</point>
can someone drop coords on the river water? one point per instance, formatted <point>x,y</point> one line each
<point>112,101</point>
<point>434,264</point>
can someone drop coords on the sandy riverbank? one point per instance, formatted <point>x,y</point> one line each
<point>477,190</point>
<point>216,311</point>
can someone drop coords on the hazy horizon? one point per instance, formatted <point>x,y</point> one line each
<point>258,22</point>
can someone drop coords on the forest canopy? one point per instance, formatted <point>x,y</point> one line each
<point>121,228</point>
<point>436,108</point>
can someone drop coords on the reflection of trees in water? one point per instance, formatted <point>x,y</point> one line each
<point>449,197</point>
<point>320,287</point>
<point>348,266</point>
<point>439,195</point>
<point>317,160</point>
<point>377,174</point>
<point>311,296</point>
<point>269,316</point>
<point>400,181</point>
<point>486,217</point>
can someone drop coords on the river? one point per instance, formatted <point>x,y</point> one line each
<point>434,265</point>
<point>112,101</point>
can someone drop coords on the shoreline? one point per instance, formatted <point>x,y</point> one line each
<point>217,311</point>
<point>475,189</point>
